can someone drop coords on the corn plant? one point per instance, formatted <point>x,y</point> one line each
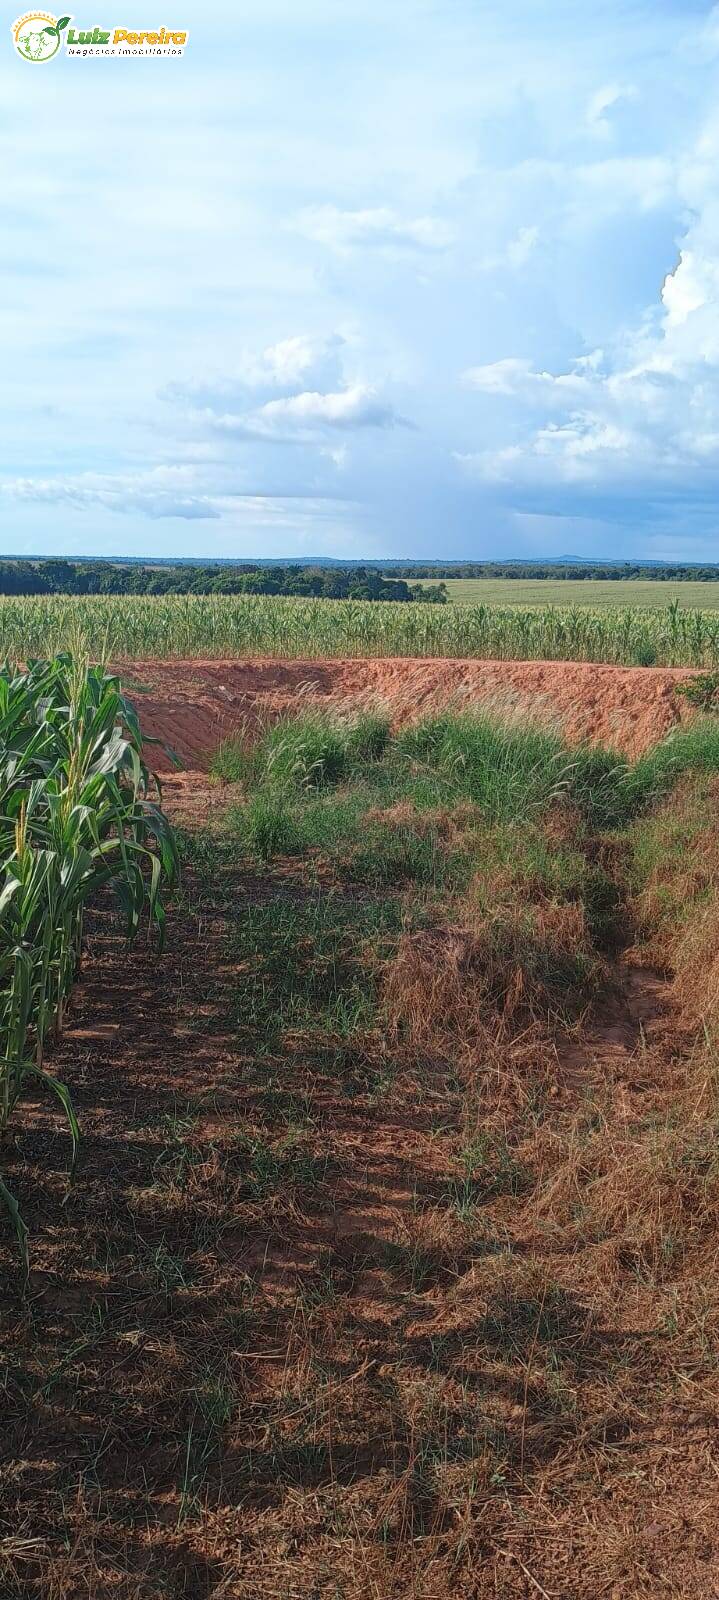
<point>75,817</point>
<point>127,626</point>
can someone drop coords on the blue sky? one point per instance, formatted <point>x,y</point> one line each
<point>439,278</point>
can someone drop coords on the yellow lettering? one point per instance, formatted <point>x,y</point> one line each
<point>123,36</point>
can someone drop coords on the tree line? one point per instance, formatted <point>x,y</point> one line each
<point>667,573</point>
<point>103,577</point>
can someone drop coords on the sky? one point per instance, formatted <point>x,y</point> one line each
<point>433,279</point>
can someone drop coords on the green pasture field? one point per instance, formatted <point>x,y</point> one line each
<point>579,592</point>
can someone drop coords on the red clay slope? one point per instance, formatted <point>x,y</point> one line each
<point>193,704</point>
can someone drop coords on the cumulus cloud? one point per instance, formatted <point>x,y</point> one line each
<point>293,392</point>
<point>649,407</point>
<point>512,375</point>
<point>380,227</point>
<point>690,295</point>
<point>281,369</point>
<point>305,415</point>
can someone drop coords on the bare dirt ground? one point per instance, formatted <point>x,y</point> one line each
<point>322,1380</point>
<point>191,705</point>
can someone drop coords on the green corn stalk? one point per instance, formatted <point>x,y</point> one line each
<point>291,627</point>
<point>76,815</point>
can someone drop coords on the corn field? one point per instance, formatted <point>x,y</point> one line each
<point>75,815</point>
<point>267,625</point>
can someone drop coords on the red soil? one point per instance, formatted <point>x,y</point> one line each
<point>191,705</point>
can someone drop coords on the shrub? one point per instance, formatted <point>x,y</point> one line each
<point>702,691</point>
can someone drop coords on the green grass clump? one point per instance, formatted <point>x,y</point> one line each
<point>390,854</point>
<point>378,851</point>
<point>320,785</point>
<point>513,772</point>
<point>672,856</point>
<point>604,787</point>
<point>694,748</point>
<point>507,770</point>
<point>232,761</point>
<point>277,822</point>
<point>367,738</point>
<point>701,691</point>
<point>306,752</point>
<point>267,826</point>
<point>309,751</point>
<point>611,791</point>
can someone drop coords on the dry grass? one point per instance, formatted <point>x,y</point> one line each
<point>417,1307</point>
<point>677,898</point>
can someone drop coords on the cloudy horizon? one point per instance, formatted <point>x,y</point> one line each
<point>439,284</point>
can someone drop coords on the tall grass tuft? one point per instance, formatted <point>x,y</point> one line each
<point>507,769</point>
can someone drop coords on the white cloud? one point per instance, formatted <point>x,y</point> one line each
<point>693,286</point>
<point>645,408</point>
<point>148,494</point>
<point>515,377</point>
<point>282,368</point>
<point>309,413</point>
<point>380,227</point>
<point>295,392</point>
<point>214,495</point>
<point>507,376</point>
<point>356,407</point>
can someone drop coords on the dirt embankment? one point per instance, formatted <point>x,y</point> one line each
<point>191,705</point>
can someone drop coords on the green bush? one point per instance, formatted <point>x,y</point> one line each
<point>702,691</point>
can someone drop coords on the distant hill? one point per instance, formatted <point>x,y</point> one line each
<point>461,563</point>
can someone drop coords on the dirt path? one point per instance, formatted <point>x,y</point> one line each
<point>623,1023</point>
<point>191,705</point>
<point>235,1380</point>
